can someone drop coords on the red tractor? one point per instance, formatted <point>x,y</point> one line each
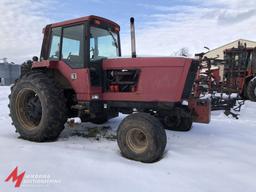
<point>80,74</point>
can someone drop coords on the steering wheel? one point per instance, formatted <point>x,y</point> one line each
<point>69,56</point>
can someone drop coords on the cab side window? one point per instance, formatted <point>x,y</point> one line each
<point>55,44</point>
<point>72,46</point>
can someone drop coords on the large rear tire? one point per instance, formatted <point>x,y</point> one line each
<point>141,137</point>
<point>37,107</point>
<point>251,89</point>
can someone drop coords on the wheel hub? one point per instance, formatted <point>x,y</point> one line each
<point>136,140</point>
<point>34,110</point>
<point>29,109</point>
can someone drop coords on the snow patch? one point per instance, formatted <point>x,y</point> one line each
<point>219,156</point>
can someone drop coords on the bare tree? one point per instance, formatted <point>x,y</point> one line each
<point>4,60</point>
<point>184,51</point>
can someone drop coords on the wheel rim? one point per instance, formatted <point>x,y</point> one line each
<point>136,140</point>
<point>28,108</point>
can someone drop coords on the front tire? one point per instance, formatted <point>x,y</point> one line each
<point>251,89</point>
<point>141,137</point>
<point>37,107</point>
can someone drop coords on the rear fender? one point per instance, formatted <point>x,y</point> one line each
<point>77,79</point>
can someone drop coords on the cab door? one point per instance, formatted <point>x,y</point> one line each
<point>68,49</point>
<point>103,44</point>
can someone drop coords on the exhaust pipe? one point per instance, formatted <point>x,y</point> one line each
<point>133,44</point>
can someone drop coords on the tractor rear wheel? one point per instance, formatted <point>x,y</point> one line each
<point>141,137</point>
<point>251,89</point>
<point>37,107</point>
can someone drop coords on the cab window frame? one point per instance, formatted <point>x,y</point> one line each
<point>50,44</point>
<point>85,45</point>
<point>102,26</point>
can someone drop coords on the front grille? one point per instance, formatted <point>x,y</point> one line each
<point>190,79</point>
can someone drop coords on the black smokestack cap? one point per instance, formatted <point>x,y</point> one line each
<point>132,19</point>
<point>133,44</point>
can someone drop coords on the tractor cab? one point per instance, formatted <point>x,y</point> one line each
<point>75,50</point>
<point>81,41</point>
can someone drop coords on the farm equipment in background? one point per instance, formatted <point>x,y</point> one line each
<point>228,81</point>
<point>240,71</point>
<point>80,74</point>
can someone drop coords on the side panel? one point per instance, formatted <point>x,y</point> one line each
<point>160,80</point>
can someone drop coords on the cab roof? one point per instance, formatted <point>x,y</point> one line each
<point>86,18</point>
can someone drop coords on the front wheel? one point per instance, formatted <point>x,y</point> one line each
<point>141,137</point>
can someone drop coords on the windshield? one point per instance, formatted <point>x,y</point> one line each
<point>103,43</point>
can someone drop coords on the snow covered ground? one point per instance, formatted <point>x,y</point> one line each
<point>220,156</point>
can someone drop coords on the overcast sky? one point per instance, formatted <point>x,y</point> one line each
<point>162,27</point>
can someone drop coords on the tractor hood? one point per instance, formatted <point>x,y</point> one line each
<point>158,75</point>
<point>128,63</point>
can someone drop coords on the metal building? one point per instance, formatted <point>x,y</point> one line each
<point>9,72</point>
<point>218,52</point>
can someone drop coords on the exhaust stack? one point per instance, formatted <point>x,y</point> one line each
<point>133,43</point>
